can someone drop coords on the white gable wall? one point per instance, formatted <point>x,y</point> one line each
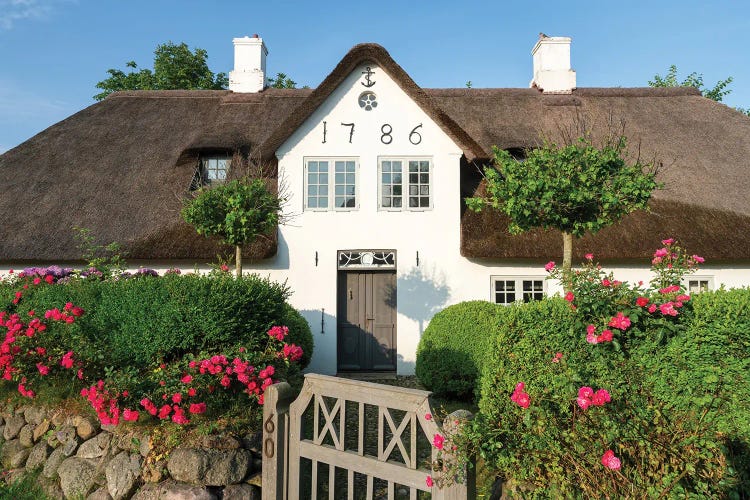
<point>434,233</point>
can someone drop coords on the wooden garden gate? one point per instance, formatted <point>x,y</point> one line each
<point>346,439</point>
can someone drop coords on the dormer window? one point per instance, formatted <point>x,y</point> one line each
<point>212,170</point>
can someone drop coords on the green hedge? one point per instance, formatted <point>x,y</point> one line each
<point>455,345</point>
<point>683,402</point>
<point>710,361</point>
<point>144,319</point>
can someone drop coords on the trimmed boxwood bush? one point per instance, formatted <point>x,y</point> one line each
<point>145,319</point>
<point>455,345</point>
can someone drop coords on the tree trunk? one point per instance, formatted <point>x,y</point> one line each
<point>238,260</point>
<point>567,260</point>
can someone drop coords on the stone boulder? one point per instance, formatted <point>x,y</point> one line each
<point>13,425</point>
<point>38,455</point>
<point>86,427</point>
<point>19,459</point>
<point>209,467</point>
<point>100,494</point>
<point>26,435</point>
<point>76,476</point>
<point>40,430</point>
<point>241,492</point>
<point>34,415</point>
<point>9,450</point>
<point>122,474</point>
<point>53,463</point>
<point>95,447</point>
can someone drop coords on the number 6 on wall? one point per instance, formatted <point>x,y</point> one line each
<point>414,136</point>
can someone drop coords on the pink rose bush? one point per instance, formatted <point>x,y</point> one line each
<point>587,419</point>
<point>42,347</point>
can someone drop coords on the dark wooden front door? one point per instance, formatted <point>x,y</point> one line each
<point>366,321</point>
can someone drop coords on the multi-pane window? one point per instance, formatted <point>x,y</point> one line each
<point>391,183</point>
<point>317,184</point>
<point>331,184</point>
<point>698,284</point>
<point>212,170</point>
<point>510,290</point>
<point>405,184</point>
<point>346,187</point>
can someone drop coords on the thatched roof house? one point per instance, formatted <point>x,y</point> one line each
<point>123,166</point>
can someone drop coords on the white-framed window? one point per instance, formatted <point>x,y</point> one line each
<point>404,183</point>
<point>698,284</point>
<point>331,184</point>
<point>510,289</point>
<point>212,170</point>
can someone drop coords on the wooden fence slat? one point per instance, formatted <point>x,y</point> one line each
<point>390,490</point>
<point>331,482</point>
<point>364,465</point>
<point>361,430</point>
<point>314,487</point>
<point>350,485</point>
<point>369,488</point>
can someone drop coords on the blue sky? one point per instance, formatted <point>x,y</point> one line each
<point>53,52</point>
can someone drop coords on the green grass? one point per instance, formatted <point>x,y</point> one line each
<point>23,488</point>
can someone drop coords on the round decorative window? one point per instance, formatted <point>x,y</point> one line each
<point>368,100</point>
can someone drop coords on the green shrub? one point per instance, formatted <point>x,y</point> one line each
<point>143,320</point>
<point>554,448</point>
<point>455,345</point>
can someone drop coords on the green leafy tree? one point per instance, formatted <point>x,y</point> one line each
<point>577,188</point>
<point>175,67</point>
<point>694,79</point>
<point>281,81</point>
<point>238,212</point>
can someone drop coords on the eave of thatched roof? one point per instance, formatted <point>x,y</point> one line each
<point>371,53</point>
<point>703,148</point>
<point>122,168</point>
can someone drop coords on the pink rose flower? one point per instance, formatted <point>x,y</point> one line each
<point>569,296</point>
<point>667,242</point>
<point>589,256</point>
<point>610,461</point>
<point>600,397</point>
<point>549,266</point>
<point>583,403</point>
<point>620,321</point>
<point>606,282</point>
<point>652,308</point>
<point>428,481</point>
<point>698,259</point>
<point>585,392</point>
<point>438,441</point>
<point>641,301</point>
<point>661,253</point>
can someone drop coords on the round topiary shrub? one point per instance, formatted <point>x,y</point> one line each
<point>454,347</point>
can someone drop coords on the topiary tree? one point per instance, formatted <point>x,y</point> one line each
<point>577,188</point>
<point>238,212</point>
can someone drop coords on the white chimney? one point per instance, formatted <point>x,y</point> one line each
<point>552,73</point>
<point>249,73</point>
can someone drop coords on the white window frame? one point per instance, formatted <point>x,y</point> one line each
<point>205,160</point>
<point>331,184</point>
<point>700,277</point>
<point>405,183</point>
<point>518,284</point>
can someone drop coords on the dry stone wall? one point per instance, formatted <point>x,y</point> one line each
<point>78,458</point>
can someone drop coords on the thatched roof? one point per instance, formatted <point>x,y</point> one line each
<point>703,147</point>
<point>122,167</point>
